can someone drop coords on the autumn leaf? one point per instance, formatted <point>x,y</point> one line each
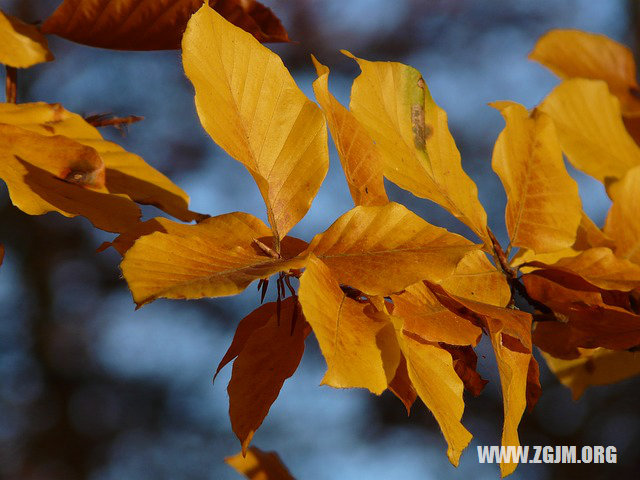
<point>382,250</point>
<point>250,105</point>
<point>56,174</point>
<point>586,320</point>
<point>590,129</point>
<point>623,221</point>
<point>1,253</point>
<point>269,356</point>
<point>543,206</point>
<point>21,45</point>
<point>259,465</point>
<point>152,24</point>
<point>217,257</point>
<point>510,334</point>
<point>359,155</point>
<point>424,316</point>
<point>573,53</point>
<point>392,102</point>
<point>440,388</point>
<point>360,351</point>
<point>125,172</point>
<point>247,326</point>
<point>476,278</point>
<point>465,362</point>
<point>597,366</point>
<point>402,387</point>
<point>600,267</point>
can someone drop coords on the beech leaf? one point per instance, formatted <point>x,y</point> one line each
<point>259,465</point>
<point>57,174</point>
<point>543,206</point>
<point>250,105</point>
<point>21,45</point>
<point>597,366</point>
<point>216,257</point>
<point>125,172</point>
<point>590,129</point>
<point>573,53</point>
<point>393,103</point>
<point>382,250</point>
<point>152,24</point>
<point>361,160</point>
<point>360,351</point>
<point>623,221</point>
<point>269,356</point>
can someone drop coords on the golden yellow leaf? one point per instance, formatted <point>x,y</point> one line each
<point>269,356</point>
<point>590,129</point>
<point>392,102</point>
<point>600,267</point>
<point>543,206</point>
<point>249,104</point>
<point>56,174</point>
<point>439,387</point>
<point>573,53</point>
<point>21,45</point>
<point>360,351</point>
<point>597,366</point>
<point>476,278</point>
<point>217,257</point>
<point>259,465</point>
<point>152,24</point>
<point>126,173</point>
<point>359,155</point>
<point>510,334</point>
<point>623,221</point>
<point>382,250</point>
<point>424,316</point>
<point>590,235</point>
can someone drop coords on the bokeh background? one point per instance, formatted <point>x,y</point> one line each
<point>91,389</point>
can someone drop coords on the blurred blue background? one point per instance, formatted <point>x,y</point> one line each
<point>93,389</point>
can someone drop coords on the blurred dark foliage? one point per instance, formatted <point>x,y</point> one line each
<point>63,414</point>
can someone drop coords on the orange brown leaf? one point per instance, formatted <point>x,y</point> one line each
<point>259,465</point>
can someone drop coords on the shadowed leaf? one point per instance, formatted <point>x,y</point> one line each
<point>259,465</point>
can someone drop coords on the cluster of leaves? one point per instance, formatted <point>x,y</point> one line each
<point>394,302</point>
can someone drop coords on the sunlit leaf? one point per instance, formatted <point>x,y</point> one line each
<point>217,257</point>
<point>360,351</point>
<point>269,356</point>
<point>438,385</point>
<point>126,173</point>
<point>600,267</point>
<point>623,221</point>
<point>510,334</point>
<point>21,45</point>
<point>359,155</point>
<point>476,278</point>
<point>152,24</point>
<point>597,366</point>
<point>259,465</point>
<point>543,207</point>
<point>382,250</point>
<point>590,129</point>
<point>56,174</point>
<point>573,53</point>
<point>249,104</point>
<point>392,102</point>
<point>424,316</point>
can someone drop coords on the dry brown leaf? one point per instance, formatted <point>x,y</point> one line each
<point>152,24</point>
